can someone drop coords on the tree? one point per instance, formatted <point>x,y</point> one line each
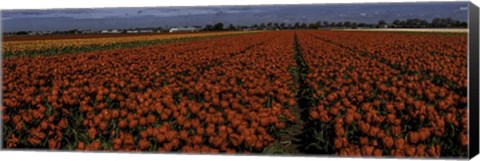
<point>318,24</point>
<point>338,24</point>
<point>456,23</point>
<point>218,27</point>
<point>276,25</point>
<point>413,23</point>
<point>447,22</point>
<point>396,23</point>
<point>437,22</point>
<point>362,24</point>
<point>241,27</point>
<point>296,25</point>
<point>326,24</point>
<point>73,31</point>
<point>381,23</point>
<point>402,24</point>
<point>22,33</point>
<point>289,26</point>
<point>332,24</point>
<point>269,24</point>
<point>423,23</point>
<point>208,27</point>
<point>231,27</point>
<point>262,26</point>
<point>303,26</point>
<point>282,26</point>
<point>354,25</point>
<point>347,24</point>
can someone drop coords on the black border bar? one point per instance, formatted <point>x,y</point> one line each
<point>473,67</point>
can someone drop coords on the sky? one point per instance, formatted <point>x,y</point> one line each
<point>118,18</point>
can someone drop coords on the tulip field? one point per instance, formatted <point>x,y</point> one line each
<point>296,92</point>
<point>48,45</point>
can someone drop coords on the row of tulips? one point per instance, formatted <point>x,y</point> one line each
<point>254,94</point>
<point>18,47</point>
<point>228,95</point>
<point>363,107</point>
<point>173,97</point>
<point>438,56</point>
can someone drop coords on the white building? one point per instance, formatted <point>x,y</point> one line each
<point>146,31</point>
<point>86,31</point>
<point>33,33</point>
<point>132,31</point>
<point>185,29</point>
<point>110,31</point>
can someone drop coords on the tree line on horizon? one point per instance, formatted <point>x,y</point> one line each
<point>406,23</point>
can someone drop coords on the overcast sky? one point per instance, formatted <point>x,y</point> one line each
<point>116,18</point>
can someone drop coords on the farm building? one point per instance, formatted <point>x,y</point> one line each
<point>110,31</point>
<point>132,31</point>
<point>186,29</point>
<point>145,31</point>
<point>86,31</point>
<point>34,33</point>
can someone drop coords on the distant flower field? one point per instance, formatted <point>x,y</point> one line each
<point>19,45</point>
